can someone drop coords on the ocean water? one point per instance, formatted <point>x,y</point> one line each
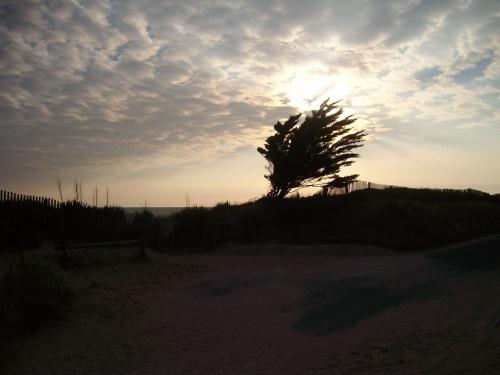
<point>157,211</point>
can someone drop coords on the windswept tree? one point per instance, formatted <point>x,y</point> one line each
<point>312,153</point>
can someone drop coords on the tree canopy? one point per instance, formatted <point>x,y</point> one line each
<point>313,152</point>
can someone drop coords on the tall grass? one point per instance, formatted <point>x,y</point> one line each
<point>24,226</point>
<point>398,218</point>
<point>33,293</point>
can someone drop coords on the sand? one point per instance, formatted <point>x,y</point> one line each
<point>248,310</point>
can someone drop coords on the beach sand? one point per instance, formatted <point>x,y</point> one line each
<point>277,310</point>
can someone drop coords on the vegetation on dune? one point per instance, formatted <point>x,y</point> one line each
<point>34,292</point>
<point>398,218</point>
<point>299,155</point>
<point>312,153</point>
<point>24,225</point>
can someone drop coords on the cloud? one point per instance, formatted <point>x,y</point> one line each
<point>125,84</point>
<point>428,74</point>
<point>467,75</point>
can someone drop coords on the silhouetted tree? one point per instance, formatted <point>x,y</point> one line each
<point>312,153</point>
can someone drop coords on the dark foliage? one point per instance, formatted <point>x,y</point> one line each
<point>402,219</point>
<point>398,218</point>
<point>190,226</point>
<point>34,293</point>
<point>312,153</point>
<point>23,225</point>
<point>145,225</point>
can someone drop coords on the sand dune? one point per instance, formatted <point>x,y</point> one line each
<point>240,311</point>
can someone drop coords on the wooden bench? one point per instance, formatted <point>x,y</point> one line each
<point>65,247</point>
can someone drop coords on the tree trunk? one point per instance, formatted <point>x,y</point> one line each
<point>278,193</point>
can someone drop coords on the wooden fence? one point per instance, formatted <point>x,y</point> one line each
<point>27,218</point>
<point>358,185</point>
<point>9,196</point>
<point>362,185</point>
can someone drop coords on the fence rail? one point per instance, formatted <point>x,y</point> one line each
<point>92,245</point>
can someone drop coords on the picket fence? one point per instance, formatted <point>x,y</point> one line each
<point>9,196</point>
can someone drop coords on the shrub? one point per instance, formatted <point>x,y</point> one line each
<point>144,224</point>
<point>403,219</point>
<point>190,226</point>
<point>33,293</point>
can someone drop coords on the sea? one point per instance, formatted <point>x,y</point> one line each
<point>157,211</point>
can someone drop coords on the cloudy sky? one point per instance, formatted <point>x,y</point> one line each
<point>156,99</point>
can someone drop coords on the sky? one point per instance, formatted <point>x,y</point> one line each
<point>159,100</point>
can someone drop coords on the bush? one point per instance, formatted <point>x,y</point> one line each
<point>402,219</point>
<point>144,224</point>
<point>33,293</point>
<point>190,226</point>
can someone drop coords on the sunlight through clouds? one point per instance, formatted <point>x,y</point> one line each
<point>306,92</point>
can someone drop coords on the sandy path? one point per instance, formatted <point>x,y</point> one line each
<point>293,314</point>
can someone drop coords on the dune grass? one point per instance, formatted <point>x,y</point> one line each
<point>25,226</point>
<point>33,292</point>
<point>397,218</point>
